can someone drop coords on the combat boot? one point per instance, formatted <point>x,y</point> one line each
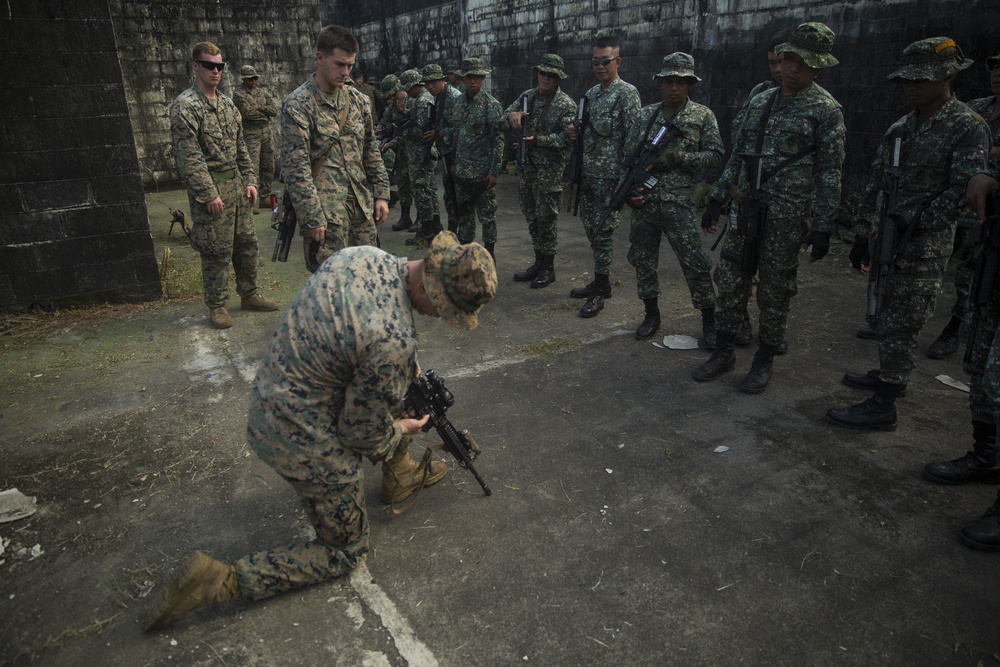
<point>401,476</point>
<point>723,359</point>
<point>582,292</point>
<point>547,275</point>
<point>600,291</point>
<point>393,198</point>
<point>202,581</point>
<point>877,413</point>
<point>978,465</point>
<point>707,341</point>
<point>419,233</point>
<point>258,302</point>
<point>984,532</point>
<point>947,343</point>
<point>220,317</point>
<point>760,371</point>
<point>745,335</point>
<point>651,324</point>
<point>491,248</point>
<point>530,272</point>
<point>404,222</point>
<point>867,380</point>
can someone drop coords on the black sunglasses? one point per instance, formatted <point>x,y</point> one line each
<point>208,64</point>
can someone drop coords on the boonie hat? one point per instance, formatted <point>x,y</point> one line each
<point>552,64</point>
<point>389,85</point>
<point>248,72</point>
<point>431,73</point>
<point>473,67</point>
<point>409,79</point>
<point>812,42</point>
<point>932,59</point>
<point>459,279</point>
<point>677,64</point>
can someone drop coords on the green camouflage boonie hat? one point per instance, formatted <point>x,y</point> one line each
<point>812,42</point>
<point>992,62</point>
<point>932,59</point>
<point>552,64</point>
<point>459,279</point>
<point>473,67</point>
<point>431,73</point>
<point>248,72</point>
<point>390,85</point>
<point>409,79</point>
<point>677,64</point>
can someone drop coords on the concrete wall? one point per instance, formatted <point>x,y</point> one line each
<point>74,228</point>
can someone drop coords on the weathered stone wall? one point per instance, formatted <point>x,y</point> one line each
<point>74,228</point>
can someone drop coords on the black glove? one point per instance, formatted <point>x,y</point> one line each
<point>859,253</point>
<point>820,242</point>
<point>712,213</point>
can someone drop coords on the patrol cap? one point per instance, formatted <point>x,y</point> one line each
<point>248,72</point>
<point>992,62</point>
<point>473,67</point>
<point>459,279</point>
<point>409,79</point>
<point>552,64</point>
<point>931,59</point>
<point>677,64</point>
<point>431,73</point>
<point>812,42</point>
<point>390,85</point>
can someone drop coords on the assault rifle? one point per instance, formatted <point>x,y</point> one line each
<point>393,130</point>
<point>428,396</point>
<point>575,172</point>
<point>429,143</point>
<point>751,223</point>
<point>522,145</point>
<point>285,224</point>
<point>984,278</point>
<point>890,227</point>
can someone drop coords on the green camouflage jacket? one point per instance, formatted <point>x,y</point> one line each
<point>608,116</point>
<point>477,139</point>
<point>445,102</point>
<point>257,106</point>
<point>549,117</point>
<point>420,112</point>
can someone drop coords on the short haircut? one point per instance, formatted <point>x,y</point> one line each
<point>336,37</point>
<point>607,42</point>
<point>204,48</point>
<point>779,37</point>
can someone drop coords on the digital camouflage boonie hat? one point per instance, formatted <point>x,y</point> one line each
<point>473,67</point>
<point>552,64</point>
<point>431,73</point>
<point>248,72</point>
<point>459,279</point>
<point>409,79</point>
<point>932,59</point>
<point>812,42</point>
<point>390,85</point>
<point>677,64</point>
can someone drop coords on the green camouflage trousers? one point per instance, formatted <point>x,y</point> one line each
<point>399,175</point>
<point>654,220</point>
<point>595,194</point>
<point>360,232</point>
<point>260,145</point>
<point>909,302</point>
<point>473,202</point>
<point>777,276</point>
<point>540,200</point>
<point>450,205</point>
<point>965,244</point>
<point>422,183</point>
<point>224,238</point>
<point>984,366</point>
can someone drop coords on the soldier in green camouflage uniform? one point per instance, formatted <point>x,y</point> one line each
<point>668,210</point>
<point>419,162</point>
<point>471,128</point>
<point>944,143</point>
<point>330,159</point>
<point>328,394</point>
<point>257,107</point>
<point>611,106</point>
<point>445,98</point>
<point>799,130</point>
<point>212,159</point>
<point>455,79</point>
<point>550,111</point>
<point>393,155</point>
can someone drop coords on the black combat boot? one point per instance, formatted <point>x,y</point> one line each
<point>745,335</point>
<point>723,359</point>
<point>867,381</point>
<point>530,272</point>
<point>707,341</point>
<point>760,372</point>
<point>984,532</point>
<point>978,465</point>
<point>453,225</point>
<point>877,413</point>
<point>600,292</point>
<point>651,324</point>
<point>491,248</point>
<point>405,221</point>
<point>547,275</point>
<point>947,343</point>
<point>582,292</point>
<point>393,198</point>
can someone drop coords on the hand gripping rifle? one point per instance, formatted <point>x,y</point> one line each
<point>751,223</point>
<point>285,225</point>
<point>984,278</point>
<point>575,172</point>
<point>522,145</point>
<point>394,130</point>
<point>428,396</point>
<point>890,228</point>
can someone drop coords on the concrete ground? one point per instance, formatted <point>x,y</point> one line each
<point>618,533</point>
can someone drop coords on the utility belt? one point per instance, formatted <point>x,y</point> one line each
<point>223,176</point>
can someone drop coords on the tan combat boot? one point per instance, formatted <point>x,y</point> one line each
<point>401,476</point>
<point>257,302</point>
<point>202,581</point>
<point>220,317</point>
